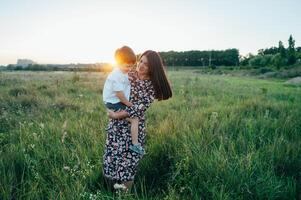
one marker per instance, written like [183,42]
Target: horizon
[113,62]
[65,32]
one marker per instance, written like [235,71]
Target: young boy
[116,91]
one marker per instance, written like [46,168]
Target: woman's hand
[111,114]
[129,119]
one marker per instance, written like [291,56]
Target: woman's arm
[117,115]
[138,110]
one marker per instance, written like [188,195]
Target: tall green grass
[219,137]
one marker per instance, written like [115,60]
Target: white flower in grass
[64,132]
[267,113]
[213,116]
[42,125]
[64,136]
[64,125]
[35,136]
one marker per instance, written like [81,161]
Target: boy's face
[126,67]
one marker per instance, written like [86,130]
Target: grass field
[219,137]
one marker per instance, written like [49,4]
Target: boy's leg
[134,130]
[136,147]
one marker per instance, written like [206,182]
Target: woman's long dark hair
[157,75]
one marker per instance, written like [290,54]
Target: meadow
[219,137]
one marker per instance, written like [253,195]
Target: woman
[148,82]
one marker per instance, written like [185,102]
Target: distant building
[25,62]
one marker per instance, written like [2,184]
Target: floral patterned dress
[119,162]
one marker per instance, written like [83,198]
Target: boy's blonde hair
[125,55]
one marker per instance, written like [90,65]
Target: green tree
[281,49]
[271,50]
[291,51]
[244,60]
[255,61]
[278,60]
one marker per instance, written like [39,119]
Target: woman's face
[142,68]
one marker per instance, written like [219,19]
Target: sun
[113,63]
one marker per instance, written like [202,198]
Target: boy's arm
[122,98]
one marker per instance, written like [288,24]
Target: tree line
[269,57]
[228,57]
[274,56]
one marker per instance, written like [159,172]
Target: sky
[89,31]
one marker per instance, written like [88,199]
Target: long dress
[119,162]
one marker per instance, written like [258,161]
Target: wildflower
[267,113]
[213,116]
[64,125]
[64,132]
[35,135]
[42,125]
[64,136]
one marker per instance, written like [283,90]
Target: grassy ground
[219,137]
[284,73]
